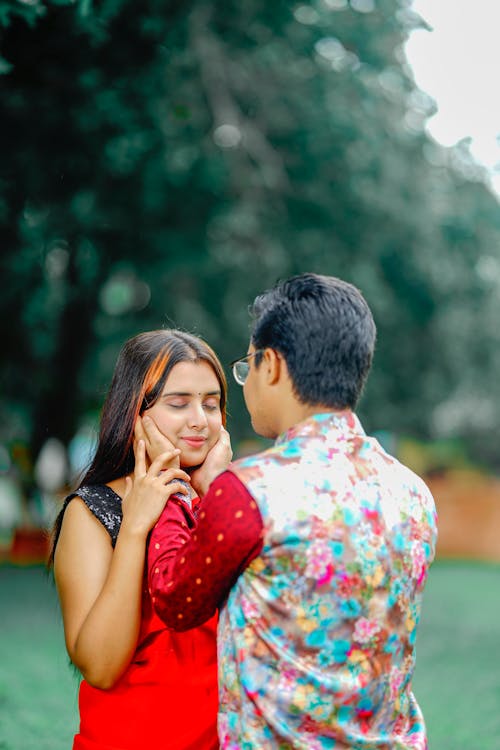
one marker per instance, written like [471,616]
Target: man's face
[257,394]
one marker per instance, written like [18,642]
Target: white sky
[458,65]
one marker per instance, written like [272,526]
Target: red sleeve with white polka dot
[194,562]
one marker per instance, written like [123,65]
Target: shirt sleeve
[194,561]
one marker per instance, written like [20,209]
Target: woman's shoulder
[103,503]
[99,494]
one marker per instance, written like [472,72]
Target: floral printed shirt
[317,635]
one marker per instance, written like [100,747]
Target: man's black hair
[324,329]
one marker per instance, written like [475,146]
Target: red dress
[167,698]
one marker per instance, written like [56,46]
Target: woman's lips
[195,442]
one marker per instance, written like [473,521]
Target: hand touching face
[188,411]
[217,461]
[148,489]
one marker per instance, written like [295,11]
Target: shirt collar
[344,422]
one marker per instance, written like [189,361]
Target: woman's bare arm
[100,588]
[100,593]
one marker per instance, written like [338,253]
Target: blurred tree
[164,163]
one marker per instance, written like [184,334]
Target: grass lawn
[38,689]
[457,681]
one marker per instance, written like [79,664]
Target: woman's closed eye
[178,404]
[212,405]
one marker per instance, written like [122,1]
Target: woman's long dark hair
[143,366]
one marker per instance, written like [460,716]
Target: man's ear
[273,363]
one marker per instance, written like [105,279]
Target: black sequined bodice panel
[104,504]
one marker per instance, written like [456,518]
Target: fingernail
[146,419]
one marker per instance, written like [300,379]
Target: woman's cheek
[171,435]
[214,436]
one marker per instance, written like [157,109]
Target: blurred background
[164,162]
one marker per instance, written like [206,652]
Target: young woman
[143,686]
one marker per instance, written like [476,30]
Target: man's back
[317,637]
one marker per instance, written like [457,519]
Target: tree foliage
[163,163]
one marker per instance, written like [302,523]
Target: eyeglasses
[241,368]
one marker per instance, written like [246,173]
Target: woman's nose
[197,416]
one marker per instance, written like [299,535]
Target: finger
[139,431]
[176,488]
[140,434]
[224,436]
[164,458]
[168,475]
[140,458]
[154,434]
[225,442]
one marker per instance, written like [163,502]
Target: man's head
[323,329]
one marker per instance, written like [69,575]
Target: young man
[316,551]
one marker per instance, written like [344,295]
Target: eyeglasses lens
[240,371]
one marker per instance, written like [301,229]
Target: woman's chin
[191,462]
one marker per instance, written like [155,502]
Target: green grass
[38,689]
[457,681]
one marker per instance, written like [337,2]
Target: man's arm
[193,563]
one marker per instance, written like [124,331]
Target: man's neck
[298,412]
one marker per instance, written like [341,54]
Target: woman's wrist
[204,478]
[133,531]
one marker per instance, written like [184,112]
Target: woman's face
[188,411]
